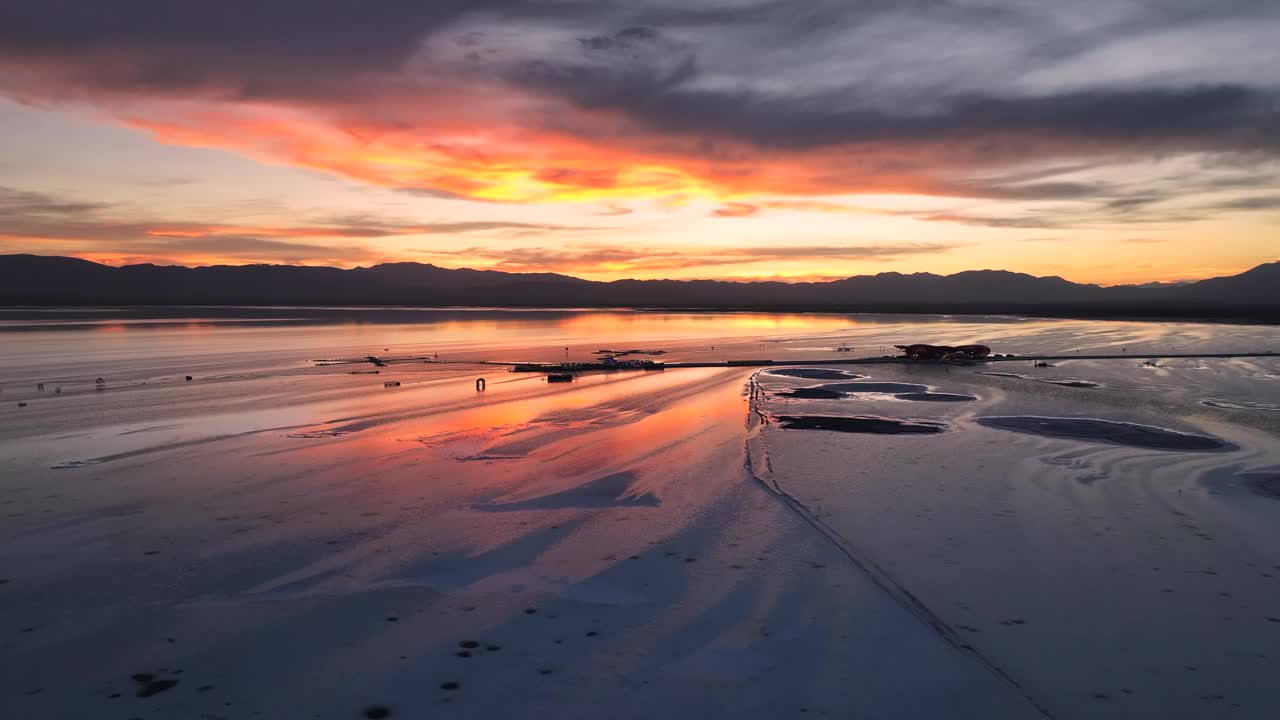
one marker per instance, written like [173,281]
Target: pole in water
[480,385]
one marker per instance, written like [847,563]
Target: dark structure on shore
[921,351]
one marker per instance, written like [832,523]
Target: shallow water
[654,541]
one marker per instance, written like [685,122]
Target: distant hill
[43,280]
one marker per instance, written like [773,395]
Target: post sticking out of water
[480,385]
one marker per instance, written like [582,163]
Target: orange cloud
[744,209]
[597,259]
[499,159]
[187,230]
[736,209]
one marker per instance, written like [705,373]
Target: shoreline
[1251,315]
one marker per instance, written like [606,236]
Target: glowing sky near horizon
[1111,142]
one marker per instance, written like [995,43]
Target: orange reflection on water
[692,324]
[624,414]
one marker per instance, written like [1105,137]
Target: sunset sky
[1107,141]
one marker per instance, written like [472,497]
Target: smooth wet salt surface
[301,542]
[935,397]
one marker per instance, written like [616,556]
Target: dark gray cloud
[248,47]
[682,78]
[1257,202]
[914,90]
[16,203]
[246,249]
[45,216]
[1216,116]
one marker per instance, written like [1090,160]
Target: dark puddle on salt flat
[813,393]
[935,397]
[1120,433]
[815,374]
[1266,486]
[901,391]
[859,424]
[887,388]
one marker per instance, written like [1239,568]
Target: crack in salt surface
[756,421]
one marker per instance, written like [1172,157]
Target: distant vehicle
[935,353]
[559,377]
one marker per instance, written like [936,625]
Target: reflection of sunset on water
[295,507]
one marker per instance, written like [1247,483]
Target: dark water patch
[886,388]
[867,424]
[813,393]
[1241,405]
[1120,433]
[1268,486]
[152,686]
[935,397]
[814,373]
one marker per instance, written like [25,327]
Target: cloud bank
[611,100]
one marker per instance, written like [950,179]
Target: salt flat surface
[290,541]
